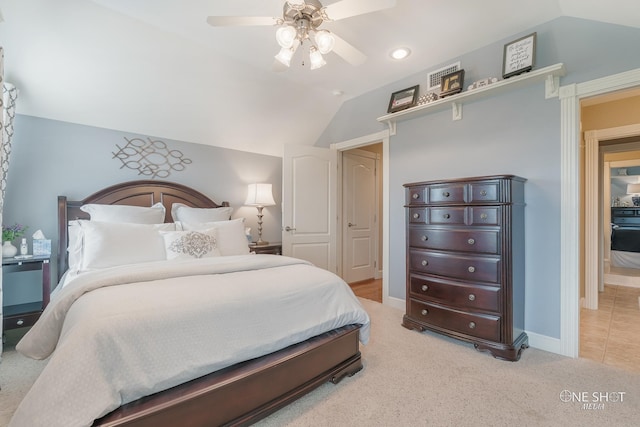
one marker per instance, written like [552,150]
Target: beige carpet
[424,379]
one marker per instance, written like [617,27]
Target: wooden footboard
[244,393]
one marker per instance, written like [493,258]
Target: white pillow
[74,244]
[190,244]
[107,244]
[230,237]
[124,213]
[182,212]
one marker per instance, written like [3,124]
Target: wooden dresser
[465,261]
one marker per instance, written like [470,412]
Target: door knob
[287,228]
[351,225]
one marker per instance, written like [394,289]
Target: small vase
[8,250]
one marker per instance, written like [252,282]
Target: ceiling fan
[300,23]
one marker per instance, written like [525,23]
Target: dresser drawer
[446,193]
[19,320]
[418,215]
[446,215]
[472,268]
[477,325]
[473,297]
[484,192]
[417,195]
[484,215]
[627,220]
[463,240]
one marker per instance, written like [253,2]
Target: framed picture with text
[519,56]
[403,99]
[451,83]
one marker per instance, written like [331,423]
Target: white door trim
[382,136]
[570,96]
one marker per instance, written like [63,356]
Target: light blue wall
[517,132]
[51,158]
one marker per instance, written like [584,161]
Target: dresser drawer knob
[424,238]
[425,288]
[471,241]
[445,194]
[424,312]
[484,216]
[446,216]
[20,322]
[416,215]
[415,196]
[483,192]
[425,263]
[471,269]
[472,325]
[472,297]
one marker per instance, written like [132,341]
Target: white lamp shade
[316,59]
[259,195]
[286,35]
[325,41]
[633,188]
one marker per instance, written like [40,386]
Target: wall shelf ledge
[549,75]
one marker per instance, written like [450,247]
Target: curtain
[8,110]
[2,159]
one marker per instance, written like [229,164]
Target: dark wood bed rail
[132,193]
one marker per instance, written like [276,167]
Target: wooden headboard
[132,193]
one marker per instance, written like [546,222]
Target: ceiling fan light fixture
[285,55]
[316,59]
[286,35]
[325,41]
[296,4]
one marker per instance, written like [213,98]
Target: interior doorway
[610,139]
[361,219]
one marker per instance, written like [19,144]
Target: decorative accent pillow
[123,213]
[108,244]
[182,212]
[190,244]
[230,238]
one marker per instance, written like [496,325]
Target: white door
[359,215]
[309,195]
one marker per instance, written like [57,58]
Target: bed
[625,247]
[312,343]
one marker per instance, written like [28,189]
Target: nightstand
[22,315]
[271,248]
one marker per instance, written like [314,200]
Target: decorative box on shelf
[41,247]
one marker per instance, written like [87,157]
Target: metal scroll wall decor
[151,158]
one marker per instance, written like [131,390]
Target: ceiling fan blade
[227,21]
[349,53]
[348,8]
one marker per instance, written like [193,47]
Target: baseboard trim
[544,342]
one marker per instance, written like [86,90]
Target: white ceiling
[155,67]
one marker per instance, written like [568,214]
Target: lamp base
[260,243]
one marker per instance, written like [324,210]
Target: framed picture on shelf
[403,99]
[451,83]
[519,56]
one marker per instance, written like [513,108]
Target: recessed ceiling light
[400,53]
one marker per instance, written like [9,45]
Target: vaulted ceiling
[156,68]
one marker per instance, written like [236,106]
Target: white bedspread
[118,334]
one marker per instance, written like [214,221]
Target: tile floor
[611,334]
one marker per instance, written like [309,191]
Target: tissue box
[41,247]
